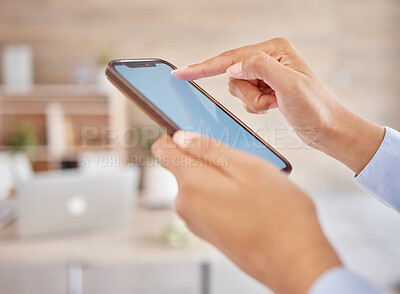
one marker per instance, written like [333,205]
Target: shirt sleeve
[381,176]
[340,280]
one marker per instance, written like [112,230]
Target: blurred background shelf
[57,116]
[54,91]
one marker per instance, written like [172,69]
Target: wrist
[304,255]
[350,139]
[315,259]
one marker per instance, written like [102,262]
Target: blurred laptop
[13,168]
[73,200]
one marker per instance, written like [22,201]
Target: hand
[262,222]
[272,74]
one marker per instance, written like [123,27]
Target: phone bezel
[157,115]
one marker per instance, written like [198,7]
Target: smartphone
[183,105]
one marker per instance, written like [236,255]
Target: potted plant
[23,140]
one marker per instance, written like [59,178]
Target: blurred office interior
[63,127]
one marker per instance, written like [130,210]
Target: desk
[134,242]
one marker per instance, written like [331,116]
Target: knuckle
[255,64]
[258,107]
[228,53]
[256,57]
[259,54]
[232,92]
[281,47]
[232,82]
[248,109]
[281,41]
[260,104]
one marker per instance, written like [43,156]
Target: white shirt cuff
[340,280]
[381,176]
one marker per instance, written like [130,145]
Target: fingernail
[183,138]
[235,70]
[179,69]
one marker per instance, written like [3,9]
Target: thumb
[209,150]
[199,146]
[261,66]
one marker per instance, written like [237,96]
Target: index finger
[214,66]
